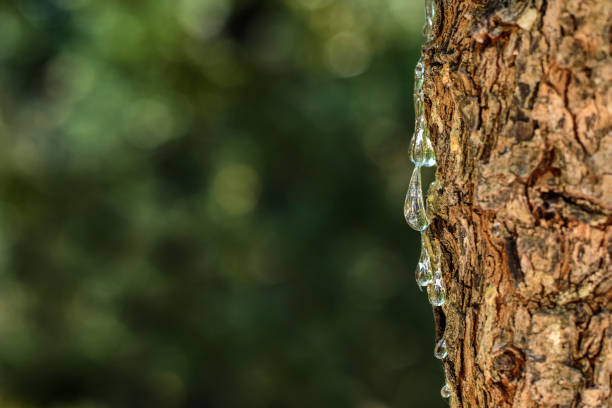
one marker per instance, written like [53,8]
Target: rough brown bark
[519,104]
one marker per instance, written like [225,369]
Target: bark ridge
[519,101]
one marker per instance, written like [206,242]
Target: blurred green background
[201,205]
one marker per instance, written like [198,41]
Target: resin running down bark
[414,207]
[519,109]
[422,154]
[423,274]
[421,149]
[440,352]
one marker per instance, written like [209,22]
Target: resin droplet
[440,352]
[419,103]
[445,391]
[419,72]
[419,79]
[421,150]
[430,14]
[436,293]
[423,274]
[437,274]
[414,209]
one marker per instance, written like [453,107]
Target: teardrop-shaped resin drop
[423,274]
[421,149]
[445,392]
[440,351]
[414,209]
[436,293]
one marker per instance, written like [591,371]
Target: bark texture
[519,104]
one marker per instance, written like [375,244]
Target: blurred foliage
[201,205]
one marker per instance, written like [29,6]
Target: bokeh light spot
[314,4]
[409,14]
[348,54]
[149,123]
[69,77]
[236,188]
[202,19]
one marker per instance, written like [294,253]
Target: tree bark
[519,105]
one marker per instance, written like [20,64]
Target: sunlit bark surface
[519,102]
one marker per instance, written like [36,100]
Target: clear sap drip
[414,209]
[419,104]
[436,292]
[423,274]
[419,78]
[440,351]
[438,273]
[445,392]
[421,149]
[430,15]
[419,72]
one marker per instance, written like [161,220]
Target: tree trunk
[519,105]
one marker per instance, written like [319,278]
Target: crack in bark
[514,265]
[536,287]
